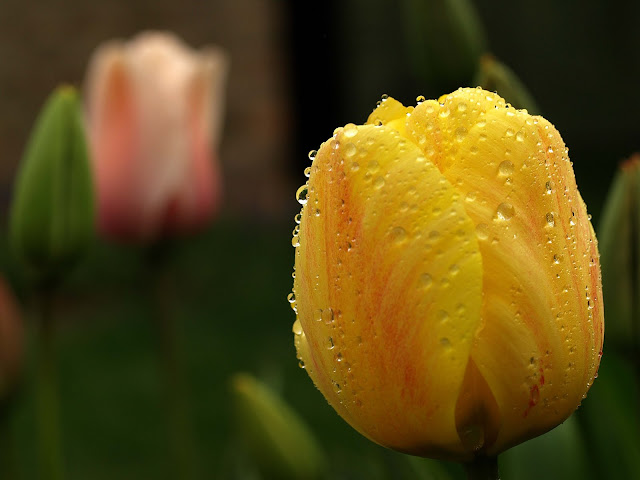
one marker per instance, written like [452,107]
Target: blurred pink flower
[153,113]
[11,340]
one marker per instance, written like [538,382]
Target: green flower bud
[619,236]
[281,444]
[495,76]
[445,40]
[52,214]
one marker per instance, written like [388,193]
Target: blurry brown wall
[44,43]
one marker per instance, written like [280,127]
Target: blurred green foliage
[230,301]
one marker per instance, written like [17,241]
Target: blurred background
[297,71]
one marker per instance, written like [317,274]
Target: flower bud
[445,39]
[496,76]
[447,287]
[281,443]
[52,214]
[619,234]
[153,113]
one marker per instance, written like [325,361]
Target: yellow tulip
[447,281]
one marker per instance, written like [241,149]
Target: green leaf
[280,442]
[611,418]
[557,455]
[619,245]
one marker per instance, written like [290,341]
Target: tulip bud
[619,234]
[11,341]
[52,213]
[153,113]
[496,76]
[281,443]
[447,287]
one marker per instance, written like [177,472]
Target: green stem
[48,421]
[178,412]
[482,468]
[7,452]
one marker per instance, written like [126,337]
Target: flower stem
[7,452]
[48,421]
[482,468]
[182,443]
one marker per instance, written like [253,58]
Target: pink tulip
[153,112]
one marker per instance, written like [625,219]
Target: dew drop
[328,316]
[301,194]
[312,154]
[461,134]
[350,130]
[550,219]
[291,298]
[426,280]
[505,211]
[378,182]
[520,136]
[398,234]
[297,327]
[548,187]
[350,150]
[505,168]
[445,342]
[297,218]
[420,99]
[443,316]
[482,231]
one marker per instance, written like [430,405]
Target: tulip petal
[388,284]
[542,318]
[112,131]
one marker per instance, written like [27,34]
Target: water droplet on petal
[327,316]
[350,130]
[297,327]
[505,211]
[505,168]
[461,133]
[350,150]
[550,219]
[425,280]
[312,154]
[482,231]
[378,182]
[398,234]
[302,193]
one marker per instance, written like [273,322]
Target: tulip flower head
[153,113]
[447,282]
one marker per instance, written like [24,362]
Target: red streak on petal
[534,396]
